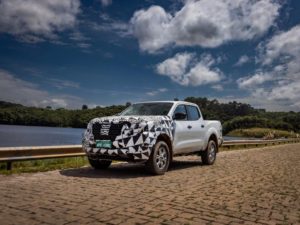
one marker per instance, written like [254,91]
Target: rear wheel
[100,164]
[209,155]
[159,159]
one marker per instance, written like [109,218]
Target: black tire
[159,160]
[100,164]
[210,154]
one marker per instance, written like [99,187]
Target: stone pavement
[257,186]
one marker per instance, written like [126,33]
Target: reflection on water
[11,135]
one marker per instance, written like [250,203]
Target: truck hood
[130,119]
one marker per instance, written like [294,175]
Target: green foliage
[22,115]
[84,107]
[255,121]
[262,133]
[212,109]
[44,165]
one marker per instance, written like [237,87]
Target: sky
[66,53]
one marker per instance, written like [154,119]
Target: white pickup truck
[152,132]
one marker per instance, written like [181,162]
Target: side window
[179,109]
[193,112]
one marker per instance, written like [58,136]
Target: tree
[84,107]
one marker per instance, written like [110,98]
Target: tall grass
[44,165]
[262,133]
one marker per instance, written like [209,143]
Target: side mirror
[180,116]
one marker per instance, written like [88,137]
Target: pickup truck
[153,133]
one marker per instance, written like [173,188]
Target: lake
[12,135]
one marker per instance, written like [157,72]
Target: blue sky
[68,53]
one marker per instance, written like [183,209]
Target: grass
[44,165]
[239,147]
[262,133]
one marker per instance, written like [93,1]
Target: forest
[233,115]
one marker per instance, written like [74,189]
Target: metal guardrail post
[9,165]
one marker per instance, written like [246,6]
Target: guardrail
[245,143]
[12,154]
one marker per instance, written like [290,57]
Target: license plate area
[103,144]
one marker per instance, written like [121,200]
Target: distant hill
[233,115]
[4,104]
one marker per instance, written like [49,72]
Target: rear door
[196,127]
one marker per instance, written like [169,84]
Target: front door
[184,137]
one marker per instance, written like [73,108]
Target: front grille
[114,130]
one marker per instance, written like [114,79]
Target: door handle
[202,126]
[189,126]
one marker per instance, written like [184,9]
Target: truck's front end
[129,136]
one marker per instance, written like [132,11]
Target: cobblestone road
[257,186]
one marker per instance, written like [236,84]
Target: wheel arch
[164,137]
[213,137]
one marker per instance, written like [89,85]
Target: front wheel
[159,159]
[100,164]
[209,155]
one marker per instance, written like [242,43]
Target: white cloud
[106,2]
[34,20]
[284,44]
[15,90]
[217,87]
[280,57]
[157,92]
[242,60]
[176,66]
[283,50]
[203,23]
[61,84]
[253,81]
[284,96]
[288,91]
[84,45]
[187,70]
[78,36]
[200,74]
[108,24]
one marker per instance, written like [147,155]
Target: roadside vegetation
[264,133]
[44,165]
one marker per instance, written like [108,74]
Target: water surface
[13,135]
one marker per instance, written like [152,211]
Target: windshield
[147,109]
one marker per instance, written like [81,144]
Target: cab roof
[177,102]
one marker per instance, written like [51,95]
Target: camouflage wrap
[137,137]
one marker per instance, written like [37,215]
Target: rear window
[193,112]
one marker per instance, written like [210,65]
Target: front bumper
[134,153]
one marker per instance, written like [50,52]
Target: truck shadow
[125,170]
